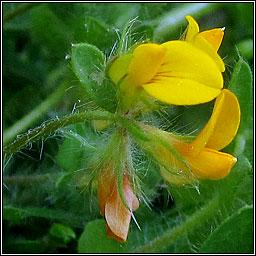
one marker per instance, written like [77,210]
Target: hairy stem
[19,10]
[172,235]
[29,119]
[51,126]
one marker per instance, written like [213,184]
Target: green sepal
[135,130]
[126,38]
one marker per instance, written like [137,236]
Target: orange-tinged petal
[118,218]
[222,126]
[146,60]
[112,235]
[208,164]
[117,215]
[192,29]
[214,37]
[211,164]
[208,41]
[201,43]
[106,183]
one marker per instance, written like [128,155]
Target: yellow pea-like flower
[203,157]
[177,72]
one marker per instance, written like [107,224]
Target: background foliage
[45,206]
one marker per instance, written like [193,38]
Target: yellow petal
[192,29]
[180,91]
[208,41]
[227,121]
[184,60]
[187,77]
[211,164]
[214,37]
[119,68]
[208,164]
[201,43]
[117,215]
[146,61]
[222,126]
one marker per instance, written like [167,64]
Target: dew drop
[67,57]
[74,45]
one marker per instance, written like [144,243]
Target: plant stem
[176,17]
[170,236]
[30,179]
[51,126]
[26,121]
[19,10]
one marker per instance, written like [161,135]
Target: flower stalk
[51,126]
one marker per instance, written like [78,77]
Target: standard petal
[211,164]
[146,61]
[180,91]
[201,43]
[184,60]
[222,126]
[214,37]
[192,29]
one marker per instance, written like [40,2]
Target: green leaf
[88,63]
[94,239]
[62,232]
[241,86]
[95,32]
[77,148]
[234,235]
[80,146]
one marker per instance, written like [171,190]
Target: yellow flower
[202,155]
[111,206]
[176,72]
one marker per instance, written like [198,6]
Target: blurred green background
[44,208]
